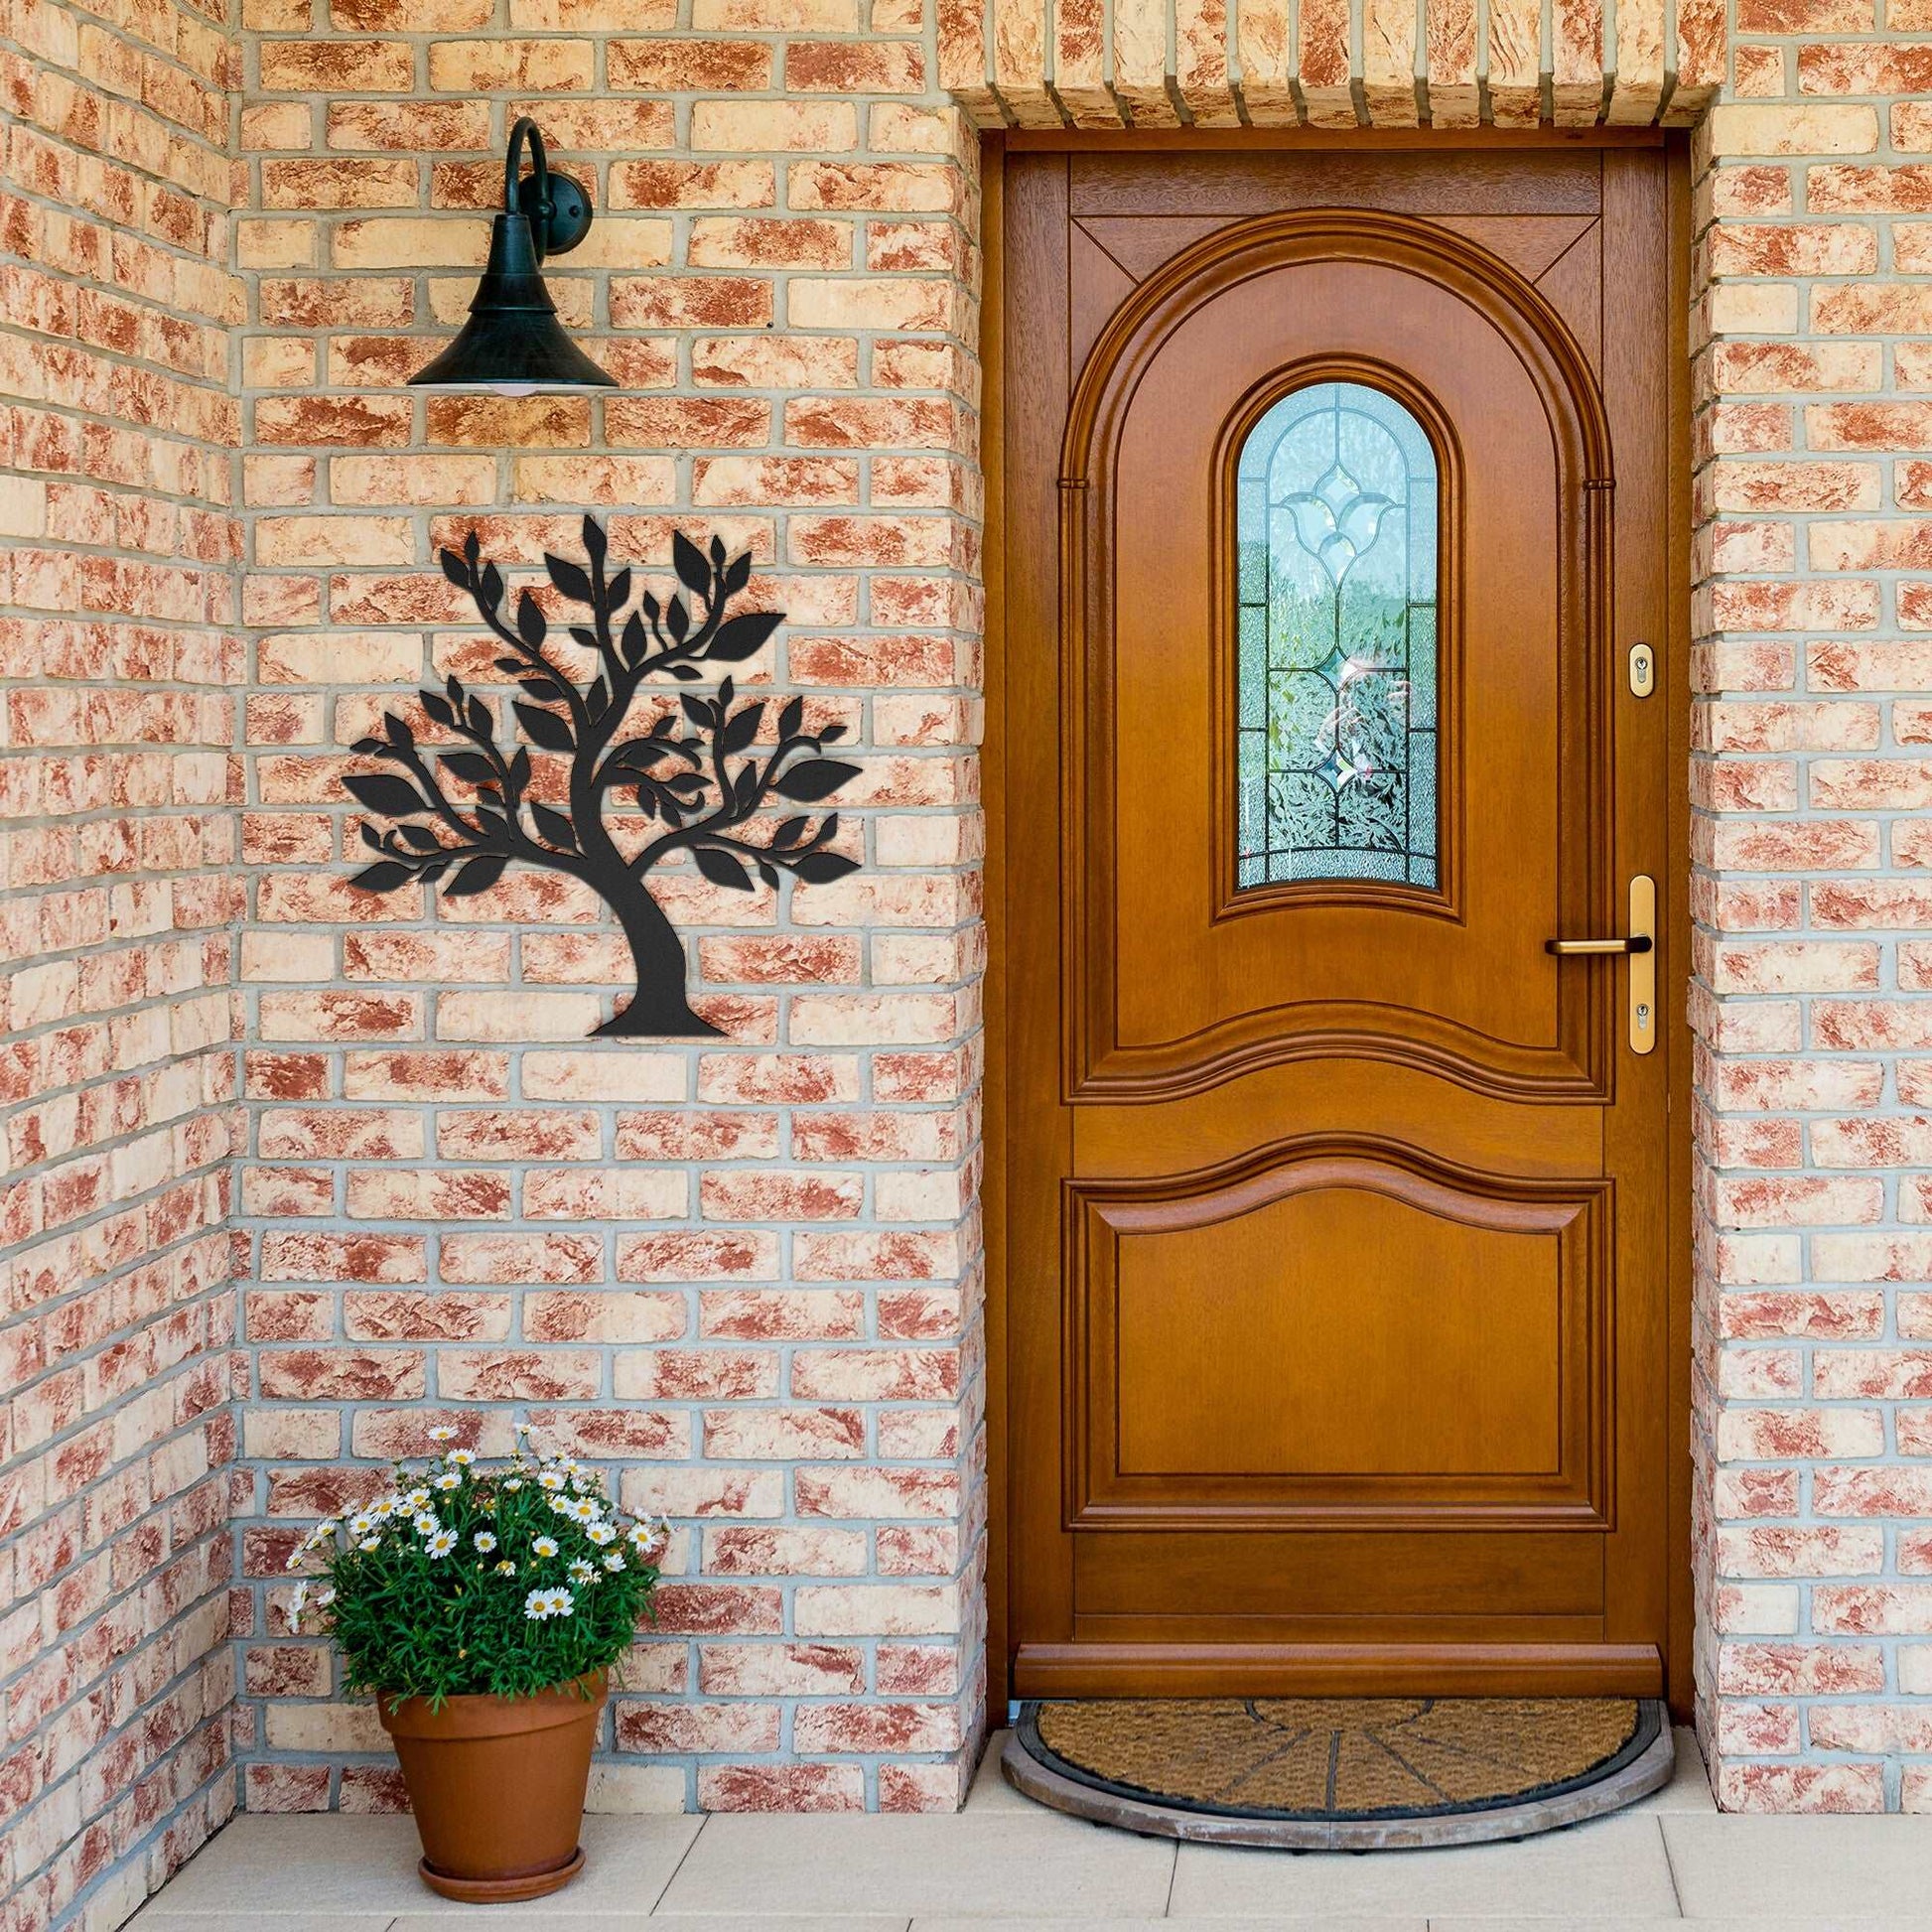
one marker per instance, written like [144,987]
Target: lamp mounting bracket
[556,206]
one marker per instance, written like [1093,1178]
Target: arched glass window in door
[1337,665]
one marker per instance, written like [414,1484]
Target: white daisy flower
[541,1604]
[461,1458]
[551,1479]
[426,1523]
[581,1572]
[442,1543]
[602,1533]
[562,1602]
[361,1523]
[449,1479]
[613,1561]
[416,1498]
[513,1482]
[506,1567]
[584,1510]
[524,1428]
[324,1597]
[544,1545]
[442,1433]
[485,1541]
[370,1543]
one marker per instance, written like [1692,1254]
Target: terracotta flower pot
[498,1787]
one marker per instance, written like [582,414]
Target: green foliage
[463,1579]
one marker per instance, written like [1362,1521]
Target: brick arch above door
[1153,63]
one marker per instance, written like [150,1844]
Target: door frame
[995,148]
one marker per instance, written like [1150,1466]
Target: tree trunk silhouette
[658,1009]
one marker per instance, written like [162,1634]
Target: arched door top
[1542,340]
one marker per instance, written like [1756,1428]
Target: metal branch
[531,655]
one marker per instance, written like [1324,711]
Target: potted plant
[483,1607]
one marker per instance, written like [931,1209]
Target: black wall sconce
[513,342]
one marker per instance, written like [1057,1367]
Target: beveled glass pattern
[1336,664]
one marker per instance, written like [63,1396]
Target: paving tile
[705,1922]
[991,1791]
[1143,1925]
[275,1869]
[1689,1788]
[158,1917]
[261,1867]
[1010,1864]
[1615,1867]
[1836,1869]
[560,1916]
[1560,1925]
[1734,1924]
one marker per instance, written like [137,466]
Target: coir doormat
[1353,1773]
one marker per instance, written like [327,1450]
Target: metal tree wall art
[696,773]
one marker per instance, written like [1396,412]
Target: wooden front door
[1337,1244]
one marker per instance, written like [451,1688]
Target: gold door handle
[1588,948]
[1641,946]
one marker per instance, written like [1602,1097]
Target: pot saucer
[501,1892]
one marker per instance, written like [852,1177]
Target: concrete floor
[1668,1859]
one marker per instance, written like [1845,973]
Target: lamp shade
[513,342]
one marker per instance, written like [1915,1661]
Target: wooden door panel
[1470,183]
[1403,1100]
[1328,1336]
[1332,1335]
[1330,1574]
[1179,981]
[1334,1235]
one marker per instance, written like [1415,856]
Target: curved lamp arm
[525,130]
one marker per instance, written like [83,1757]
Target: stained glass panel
[1335,671]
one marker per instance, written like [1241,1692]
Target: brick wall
[119,659]
[744,1276]
[1814,1438]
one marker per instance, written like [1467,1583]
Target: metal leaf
[722,868]
[384,878]
[381,793]
[813,778]
[545,728]
[740,637]
[531,625]
[554,825]
[688,561]
[821,868]
[571,579]
[477,876]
